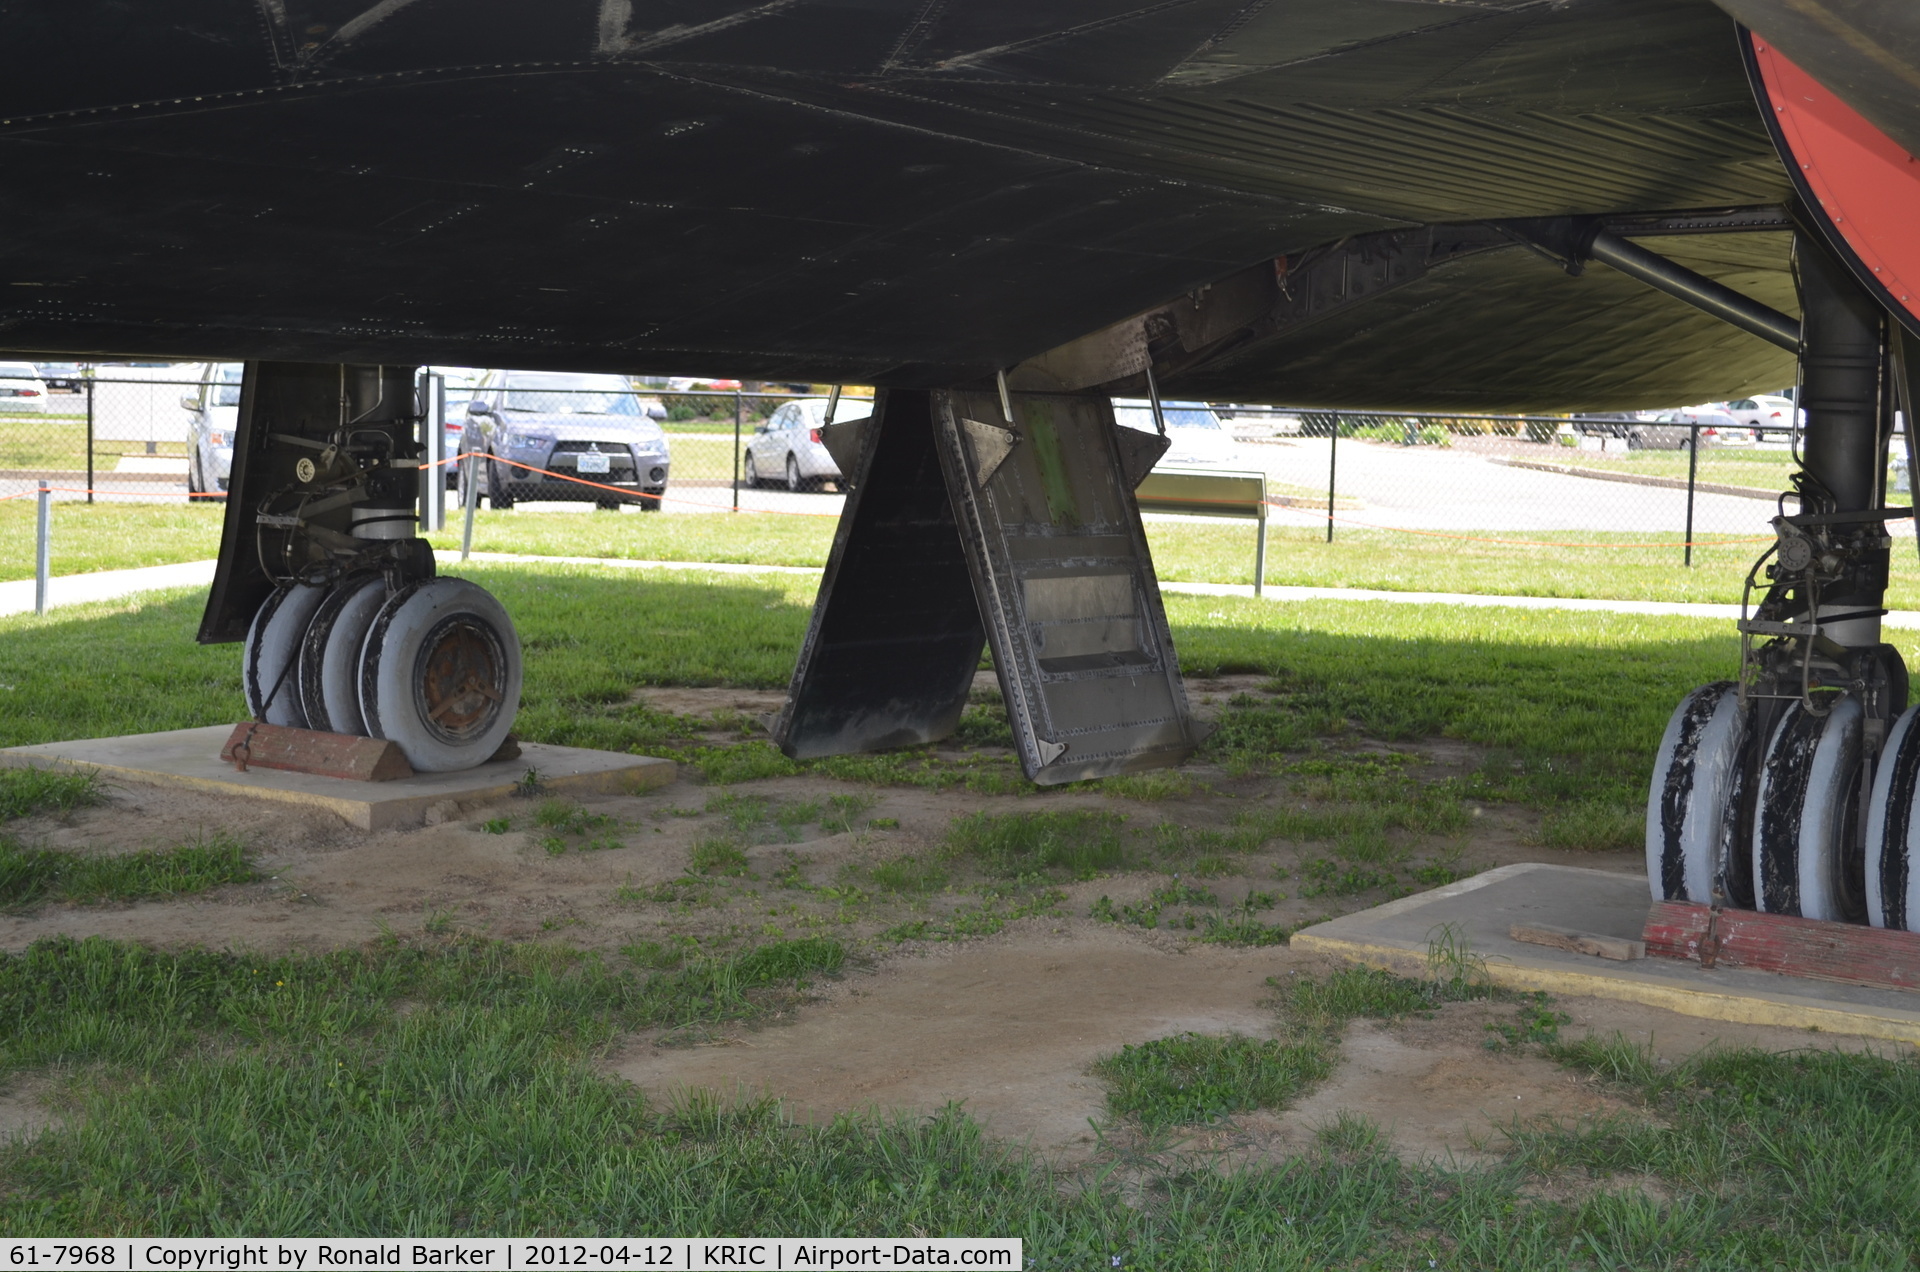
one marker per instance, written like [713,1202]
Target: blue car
[539,429]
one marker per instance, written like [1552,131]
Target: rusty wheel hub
[459,682]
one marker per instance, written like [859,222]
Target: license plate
[593,462]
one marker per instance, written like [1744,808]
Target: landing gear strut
[1791,790]
[346,626]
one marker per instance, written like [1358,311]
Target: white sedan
[1763,411]
[787,450]
[1197,437]
[21,388]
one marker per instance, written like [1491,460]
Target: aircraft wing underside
[908,192]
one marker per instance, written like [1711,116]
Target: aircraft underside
[1003,215]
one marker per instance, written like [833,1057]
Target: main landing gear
[1792,789]
[347,627]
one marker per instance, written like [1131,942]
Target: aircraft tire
[1893,830]
[271,654]
[440,674]
[1803,819]
[330,654]
[1692,804]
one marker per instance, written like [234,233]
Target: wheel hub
[458,683]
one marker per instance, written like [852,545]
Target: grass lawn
[448,1087]
[1578,700]
[1573,564]
[448,1084]
[1760,469]
[59,441]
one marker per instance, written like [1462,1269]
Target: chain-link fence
[1679,480]
[166,433]
[1426,488]
[146,433]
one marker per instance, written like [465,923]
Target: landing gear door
[1064,582]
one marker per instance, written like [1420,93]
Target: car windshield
[1136,414]
[847,408]
[226,387]
[18,371]
[573,395]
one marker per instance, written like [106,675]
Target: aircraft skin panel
[897,192]
[1866,52]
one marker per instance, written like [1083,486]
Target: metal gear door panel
[1065,584]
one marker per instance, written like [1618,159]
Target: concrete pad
[1397,936]
[189,759]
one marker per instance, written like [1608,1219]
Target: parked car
[787,448]
[1765,412]
[1718,424]
[62,377]
[593,427]
[1672,430]
[21,388]
[683,384]
[1198,440]
[213,410]
[1605,423]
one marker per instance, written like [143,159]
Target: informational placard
[504,1254]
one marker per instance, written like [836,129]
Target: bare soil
[1006,1023]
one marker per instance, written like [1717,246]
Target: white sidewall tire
[330,654]
[1893,830]
[273,641]
[392,658]
[1801,810]
[1689,808]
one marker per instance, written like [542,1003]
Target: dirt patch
[1007,1029]
[708,703]
[24,1110]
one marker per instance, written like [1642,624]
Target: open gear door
[1064,582]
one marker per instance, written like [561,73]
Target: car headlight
[219,439]
[528,441]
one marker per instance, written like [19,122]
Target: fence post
[473,497]
[736,450]
[89,382]
[42,550]
[1693,471]
[1333,448]
[1260,548]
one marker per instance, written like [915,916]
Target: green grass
[450,1087]
[25,792]
[743,539]
[109,536]
[57,440]
[908,875]
[1192,1078]
[29,876]
[1570,705]
[1563,563]
[1076,843]
[1750,467]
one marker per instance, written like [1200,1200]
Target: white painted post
[43,550]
